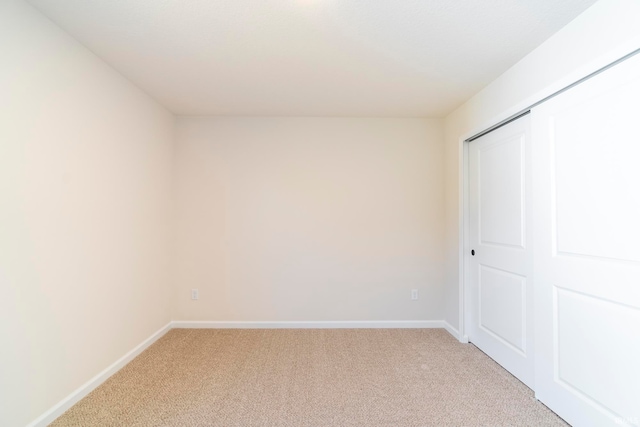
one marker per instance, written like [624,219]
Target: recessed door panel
[501,188]
[502,306]
[597,176]
[595,359]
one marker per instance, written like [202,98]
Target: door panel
[500,296]
[596,175]
[582,360]
[500,187]
[502,306]
[587,249]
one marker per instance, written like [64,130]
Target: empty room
[319,213]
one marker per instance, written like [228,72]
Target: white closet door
[500,304]
[586,154]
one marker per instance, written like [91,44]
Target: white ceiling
[312,57]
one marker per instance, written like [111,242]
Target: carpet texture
[304,378]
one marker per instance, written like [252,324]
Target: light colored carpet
[320,378]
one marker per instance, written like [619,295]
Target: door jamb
[463,234]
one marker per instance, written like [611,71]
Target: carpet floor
[312,377]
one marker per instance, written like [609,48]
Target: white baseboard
[453,331]
[348,324]
[66,403]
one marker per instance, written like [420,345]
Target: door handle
[473,252]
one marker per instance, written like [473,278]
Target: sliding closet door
[586,152]
[500,292]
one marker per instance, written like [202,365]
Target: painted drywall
[309,219]
[601,29]
[85,169]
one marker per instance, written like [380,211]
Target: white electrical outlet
[194,294]
[414,294]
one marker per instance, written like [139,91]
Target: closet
[552,284]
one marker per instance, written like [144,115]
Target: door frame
[591,68]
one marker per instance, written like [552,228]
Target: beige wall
[296,219]
[605,27]
[85,169]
